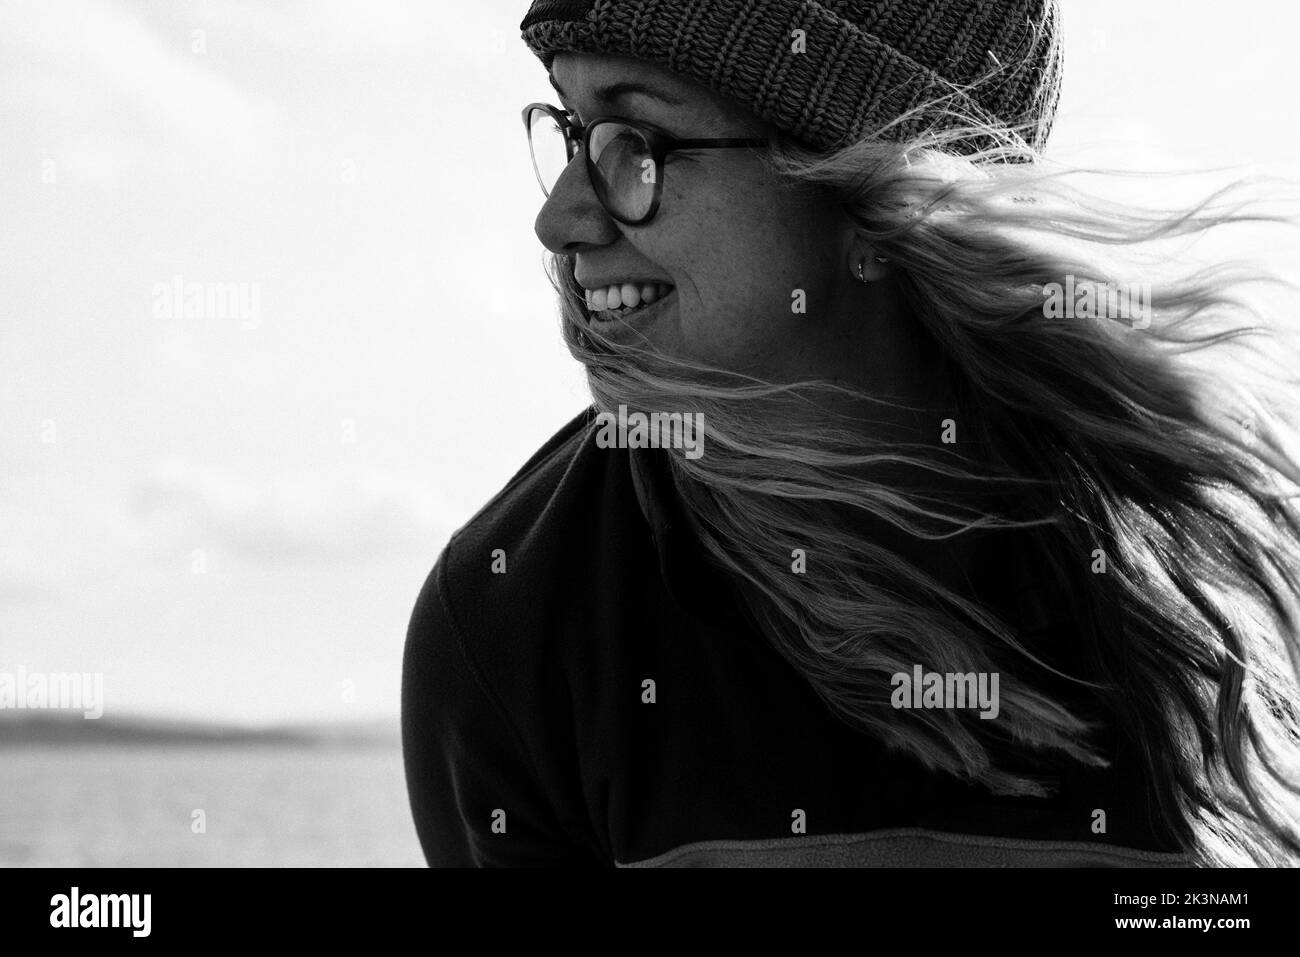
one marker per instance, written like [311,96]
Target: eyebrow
[612,91]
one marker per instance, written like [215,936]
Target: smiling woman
[828,235]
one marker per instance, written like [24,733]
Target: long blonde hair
[1167,452]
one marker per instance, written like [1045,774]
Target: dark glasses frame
[660,143]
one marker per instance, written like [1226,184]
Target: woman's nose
[572,216]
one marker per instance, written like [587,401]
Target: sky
[229,513]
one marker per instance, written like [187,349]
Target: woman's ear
[865,263]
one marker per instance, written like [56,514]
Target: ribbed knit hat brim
[858,66]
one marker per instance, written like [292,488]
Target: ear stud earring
[862,264]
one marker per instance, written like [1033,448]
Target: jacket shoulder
[516,579]
[543,470]
[500,630]
[539,523]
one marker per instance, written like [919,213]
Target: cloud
[81,67]
[353,515]
[24,578]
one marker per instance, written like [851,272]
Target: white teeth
[628,295]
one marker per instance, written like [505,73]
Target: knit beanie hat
[834,71]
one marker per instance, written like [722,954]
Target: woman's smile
[631,315]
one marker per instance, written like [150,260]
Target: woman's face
[740,249]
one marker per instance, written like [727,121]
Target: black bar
[434,908]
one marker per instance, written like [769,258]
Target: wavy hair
[1164,454]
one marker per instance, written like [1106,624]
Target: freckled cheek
[735,255]
[737,276]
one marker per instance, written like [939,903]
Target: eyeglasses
[625,160]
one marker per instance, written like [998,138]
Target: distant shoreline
[33,729]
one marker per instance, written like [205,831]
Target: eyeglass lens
[620,159]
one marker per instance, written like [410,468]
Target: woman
[961,536]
